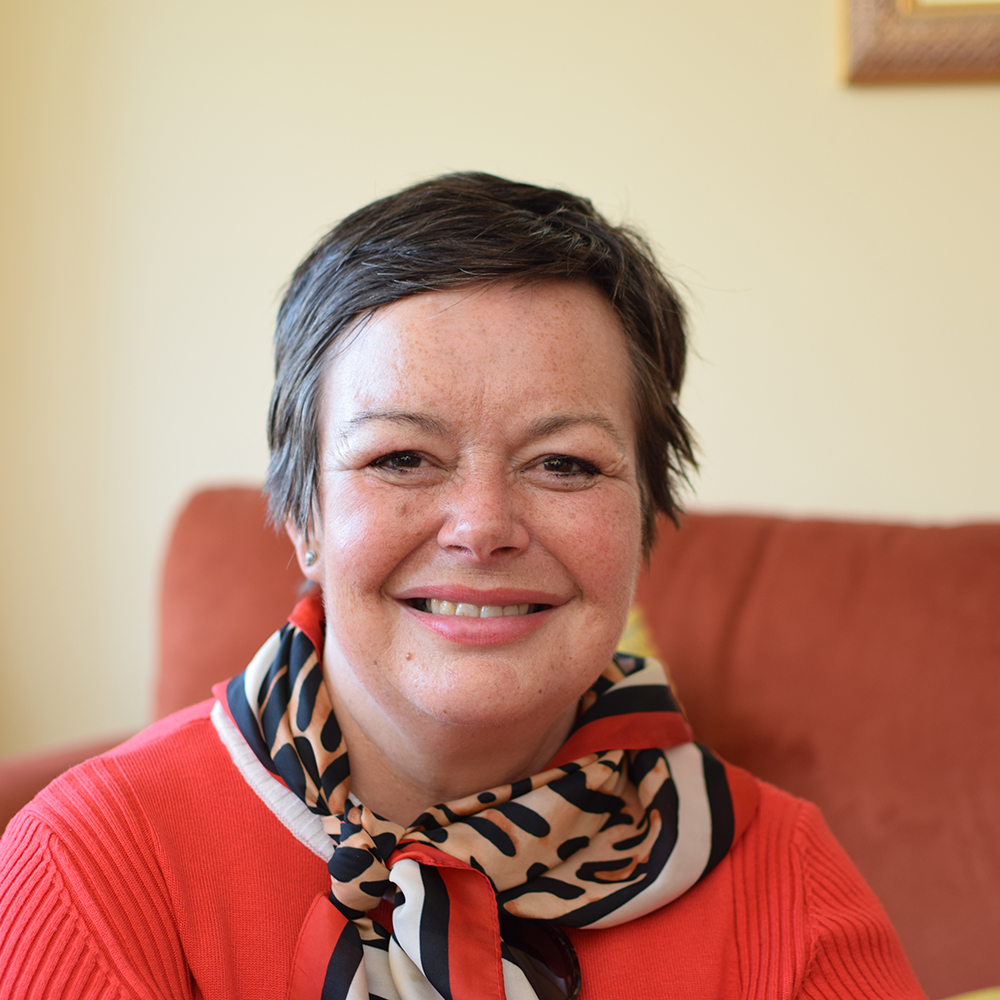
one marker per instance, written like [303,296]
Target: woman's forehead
[556,346]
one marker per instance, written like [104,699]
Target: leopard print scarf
[600,837]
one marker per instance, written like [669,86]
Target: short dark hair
[462,229]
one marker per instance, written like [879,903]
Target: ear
[307,551]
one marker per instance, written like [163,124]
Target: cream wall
[165,166]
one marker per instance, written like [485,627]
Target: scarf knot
[359,865]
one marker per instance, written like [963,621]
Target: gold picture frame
[923,41]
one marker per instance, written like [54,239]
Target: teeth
[475,611]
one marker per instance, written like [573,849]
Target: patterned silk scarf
[628,816]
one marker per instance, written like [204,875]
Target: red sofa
[857,665]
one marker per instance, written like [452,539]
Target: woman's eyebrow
[556,422]
[539,428]
[424,421]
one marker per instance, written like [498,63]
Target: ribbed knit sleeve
[808,924]
[83,917]
[854,949]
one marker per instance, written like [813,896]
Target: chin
[482,715]
[491,693]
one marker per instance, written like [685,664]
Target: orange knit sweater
[156,872]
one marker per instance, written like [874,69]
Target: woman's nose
[482,516]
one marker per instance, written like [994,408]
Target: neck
[402,765]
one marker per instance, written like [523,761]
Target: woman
[473,429]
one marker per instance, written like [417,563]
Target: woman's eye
[566,465]
[398,461]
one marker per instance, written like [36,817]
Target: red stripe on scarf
[474,963]
[745,794]
[636,731]
[317,939]
[308,616]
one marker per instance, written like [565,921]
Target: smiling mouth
[431,605]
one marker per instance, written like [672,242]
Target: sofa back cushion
[857,665]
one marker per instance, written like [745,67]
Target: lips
[479,617]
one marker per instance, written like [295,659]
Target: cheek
[367,534]
[601,543]
[360,538]
[365,538]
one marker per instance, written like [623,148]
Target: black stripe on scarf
[721,802]
[348,954]
[435,915]
[638,698]
[272,698]
[247,722]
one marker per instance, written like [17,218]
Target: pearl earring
[310,557]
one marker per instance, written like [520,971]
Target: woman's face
[479,530]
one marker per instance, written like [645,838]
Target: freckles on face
[478,454]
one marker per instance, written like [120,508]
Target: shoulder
[172,791]
[112,814]
[152,855]
[785,913]
[85,897]
[145,776]
[187,734]
[789,854]
[791,876]
[784,831]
